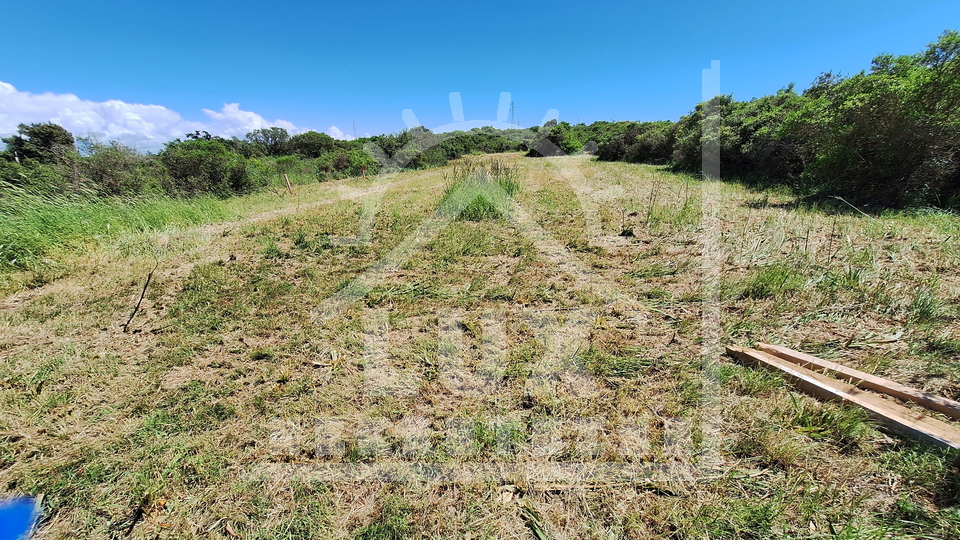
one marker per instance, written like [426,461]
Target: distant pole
[363,171]
[289,186]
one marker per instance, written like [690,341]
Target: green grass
[844,426]
[624,364]
[746,381]
[659,269]
[33,227]
[926,306]
[480,189]
[772,281]
[392,523]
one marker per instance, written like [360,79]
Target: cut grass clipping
[480,189]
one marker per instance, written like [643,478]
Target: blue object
[17,518]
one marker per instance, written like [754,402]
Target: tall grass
[480,189]
[33,226]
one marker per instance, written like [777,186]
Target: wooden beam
[895,417]
[934,402]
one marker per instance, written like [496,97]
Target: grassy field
[40,233]
[355,361]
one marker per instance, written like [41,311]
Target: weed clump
[480,189]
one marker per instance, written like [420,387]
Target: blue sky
[318,65]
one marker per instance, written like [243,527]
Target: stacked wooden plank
[810,374]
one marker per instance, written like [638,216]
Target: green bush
[287,165]
[260,171]
[890,136]
[644,142]
[206,166]
[345,163]
[12,173]
[39,177]
[116,169]
[559,139]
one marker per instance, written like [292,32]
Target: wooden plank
[934,402]
[895,417]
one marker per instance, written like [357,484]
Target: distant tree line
[889,136]
[46,158]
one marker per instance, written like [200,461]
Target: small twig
[839,198]
[653,197]
[835,253]
[829,309]
[142,294]
[833,227]
[138,514]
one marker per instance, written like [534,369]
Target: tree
[200,135]
[272,141]
[41,142]
[310,144]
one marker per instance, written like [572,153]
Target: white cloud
[146,127]
[336,133]
[230,121]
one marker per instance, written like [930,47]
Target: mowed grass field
[350,362]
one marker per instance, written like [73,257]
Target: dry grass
[534,375]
